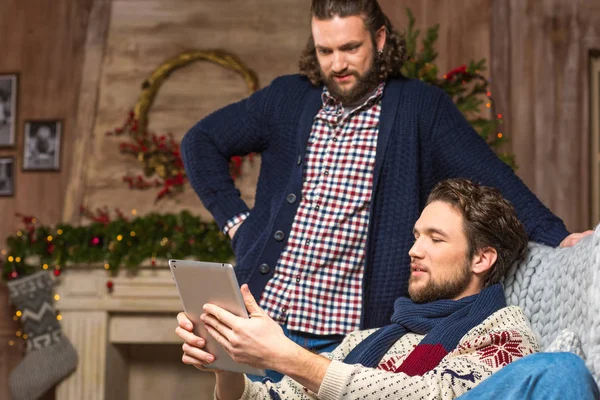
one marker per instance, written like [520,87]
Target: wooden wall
[540,61]
[42,40]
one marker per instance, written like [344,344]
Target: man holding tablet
[349,151]
[453,332]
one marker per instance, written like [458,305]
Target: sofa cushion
[559,289]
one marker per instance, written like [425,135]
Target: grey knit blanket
[559,289]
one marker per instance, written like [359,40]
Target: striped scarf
[443,322]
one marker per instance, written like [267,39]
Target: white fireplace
[125,337]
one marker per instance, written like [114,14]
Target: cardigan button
[264,269]
[279,236]
[291,198]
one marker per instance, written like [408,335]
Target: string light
[18,333]
[134,212]
[11,342]
[132,233]
[59,317]
[25,336]
[3,252]
[49,238]
[488,105]
[59,232]
[120,237]
[45,266]
[56,297]
[18,313]
[11,259]
[499,116]
[107,266]
[18,259]
[19,233]
[499,136]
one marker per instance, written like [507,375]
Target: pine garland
[113,243]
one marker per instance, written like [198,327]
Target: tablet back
[201,282]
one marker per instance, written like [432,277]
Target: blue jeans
[540,376]
[316,343]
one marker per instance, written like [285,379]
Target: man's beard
[364,84]
[441,290]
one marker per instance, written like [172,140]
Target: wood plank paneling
[543,92]
[43,41]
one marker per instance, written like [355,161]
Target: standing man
[350,150]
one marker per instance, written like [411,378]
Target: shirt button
[291,198]
[317,207]
[335,139]
[279,236]
[326,172]
[298,278]
[307,242]
[299,160]
[264,269]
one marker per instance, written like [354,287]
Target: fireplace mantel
[139,309]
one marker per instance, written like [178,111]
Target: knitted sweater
[502,338]
[422,139]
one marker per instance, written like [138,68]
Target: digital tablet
[199,283]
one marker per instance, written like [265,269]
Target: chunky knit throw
[443,322]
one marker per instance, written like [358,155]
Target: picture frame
[42,144]
[7,176]
[8,108]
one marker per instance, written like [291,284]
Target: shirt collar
[329,101]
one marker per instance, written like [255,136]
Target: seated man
[453,332]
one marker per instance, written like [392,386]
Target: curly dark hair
[394,51]
[489,221]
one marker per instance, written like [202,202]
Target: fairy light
[45,266]
[3,252]
[120,237]
[488,105]
[499,116]
[499,136]
[11,259]
[56,297]
[25,336]
[11,342]
[134,212]
[19,233]
[18,333]
[59,232]
[18,259]
[49,238]
[132,233]
[59,317]
[107,266]
[18,313]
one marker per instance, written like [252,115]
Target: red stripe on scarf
[422,359]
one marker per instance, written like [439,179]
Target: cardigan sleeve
[235,130]
[460,152]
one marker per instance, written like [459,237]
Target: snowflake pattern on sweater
[502,338]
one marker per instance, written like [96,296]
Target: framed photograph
[42,146]
[8,109]
[7,175]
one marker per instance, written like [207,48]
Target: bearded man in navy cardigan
[350,150]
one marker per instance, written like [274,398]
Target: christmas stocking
[50,356]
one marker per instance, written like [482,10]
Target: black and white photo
[7,173]
[42,145]
[8,109]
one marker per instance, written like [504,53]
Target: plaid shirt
[317,285]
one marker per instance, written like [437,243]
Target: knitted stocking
[50,356]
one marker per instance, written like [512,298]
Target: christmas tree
[469,89]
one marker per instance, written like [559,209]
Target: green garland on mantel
[112,243]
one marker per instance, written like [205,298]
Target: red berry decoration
[109,284]
[56,272]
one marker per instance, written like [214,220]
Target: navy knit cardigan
[423,139]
